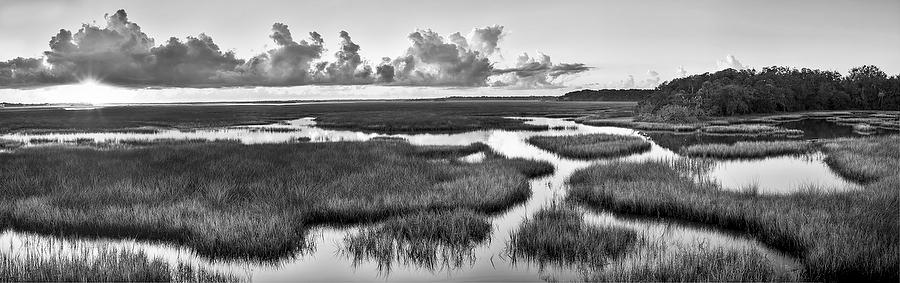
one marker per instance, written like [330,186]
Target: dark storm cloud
[120,52]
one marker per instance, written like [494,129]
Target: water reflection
[483,261]
[386,252]
[779,175]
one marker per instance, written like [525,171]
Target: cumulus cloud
[651,81]
[384,72]
[485,40]
[537,71]
[287,64]
[432,60]
[23,69]
[459,40]
[730,62]
[348,66]
[680,72]
[197,60]
[630,82]
[120,52]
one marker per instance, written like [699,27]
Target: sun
[90,90]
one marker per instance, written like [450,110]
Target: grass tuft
[702,264]
[425,239]
[104,266]
[864,159]
[749,149]
[751,130]
[588,146]
[559,235]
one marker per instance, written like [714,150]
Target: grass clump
[449,151]
[864,129]
[424,239]
[234,200]
[559,235]
[531,168]
[750,129]
[104,266]
[588,146]
[756,149]
[644,126]
[864,159]
[699,264]
[10,144]
[840,236]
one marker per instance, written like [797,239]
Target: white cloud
[730,62]
[680,72]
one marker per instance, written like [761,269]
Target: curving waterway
[326,259]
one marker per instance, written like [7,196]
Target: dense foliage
[608,95]
[773,89]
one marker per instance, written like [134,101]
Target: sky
[616,39]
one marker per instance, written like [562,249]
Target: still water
[326,259]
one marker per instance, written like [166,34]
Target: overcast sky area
[616,39]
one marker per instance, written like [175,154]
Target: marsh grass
[104,266]
[449,151]
[876,120]
[758,149]
[864,159]
[750,129]
[559,235]
[430,240]
[700,264]
[589,146]
[645,126]
[240,201]
[376,116]
[10,144]
[864,129]
[529,167]
[839,236]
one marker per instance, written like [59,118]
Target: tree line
[772,89]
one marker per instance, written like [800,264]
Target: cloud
[197,60]
[348,66]
[730,62]
[120,52]
[432,61]
[289,63]
[680,72]
[384,72]
[459,40]
[485,40]
[538,71]
[630,82]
